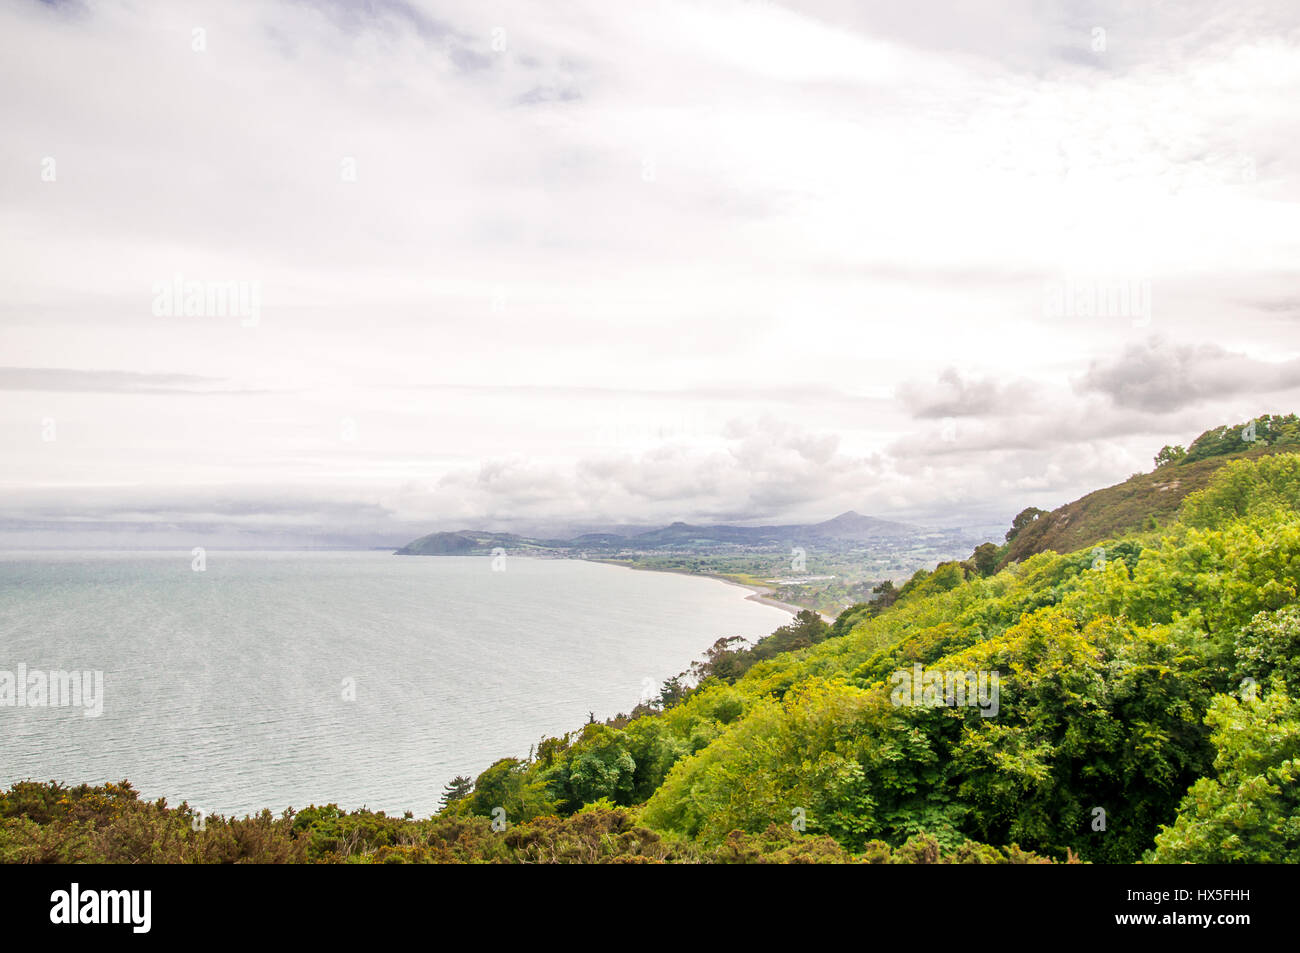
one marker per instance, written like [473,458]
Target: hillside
[467,542]
[1147,501]
[1128,507]
[439,544]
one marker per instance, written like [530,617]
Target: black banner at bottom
[147,904]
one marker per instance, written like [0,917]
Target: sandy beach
[758,593]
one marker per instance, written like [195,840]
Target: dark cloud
[549,94]
[1276,305]
[392,15]
[1158,376]
[132,518]
[253,504]
[469,60]
[951,395]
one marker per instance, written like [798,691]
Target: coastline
[758,594]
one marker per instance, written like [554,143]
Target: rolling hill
[1147,501]
[849,527]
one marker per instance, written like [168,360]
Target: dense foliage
[1270,430]
[50,823]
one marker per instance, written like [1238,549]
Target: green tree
[721,660]
[601,767]
[985,559]
[1270,645]
[886,594]
[457,789]
[1026,516]
[509,785]
[1250,811]
[1267,430]
[1267,486]
[1168,455]
[672,692]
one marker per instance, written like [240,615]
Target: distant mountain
[598,539]
[472,541]
[853,525]
[848,527]
[439,544]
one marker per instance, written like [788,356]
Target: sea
[238,681]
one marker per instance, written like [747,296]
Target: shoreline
[760,595]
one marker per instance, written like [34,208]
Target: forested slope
[1130,672]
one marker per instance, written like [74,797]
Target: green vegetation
[1250,810]
[110,824]
[1269,430]
[1145,711]
[728,659]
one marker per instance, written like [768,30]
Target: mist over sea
[229,687]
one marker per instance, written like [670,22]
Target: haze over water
[225,687]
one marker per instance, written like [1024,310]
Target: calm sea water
[226,687]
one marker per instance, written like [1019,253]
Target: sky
[287,273]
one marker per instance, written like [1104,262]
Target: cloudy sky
[513,264]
